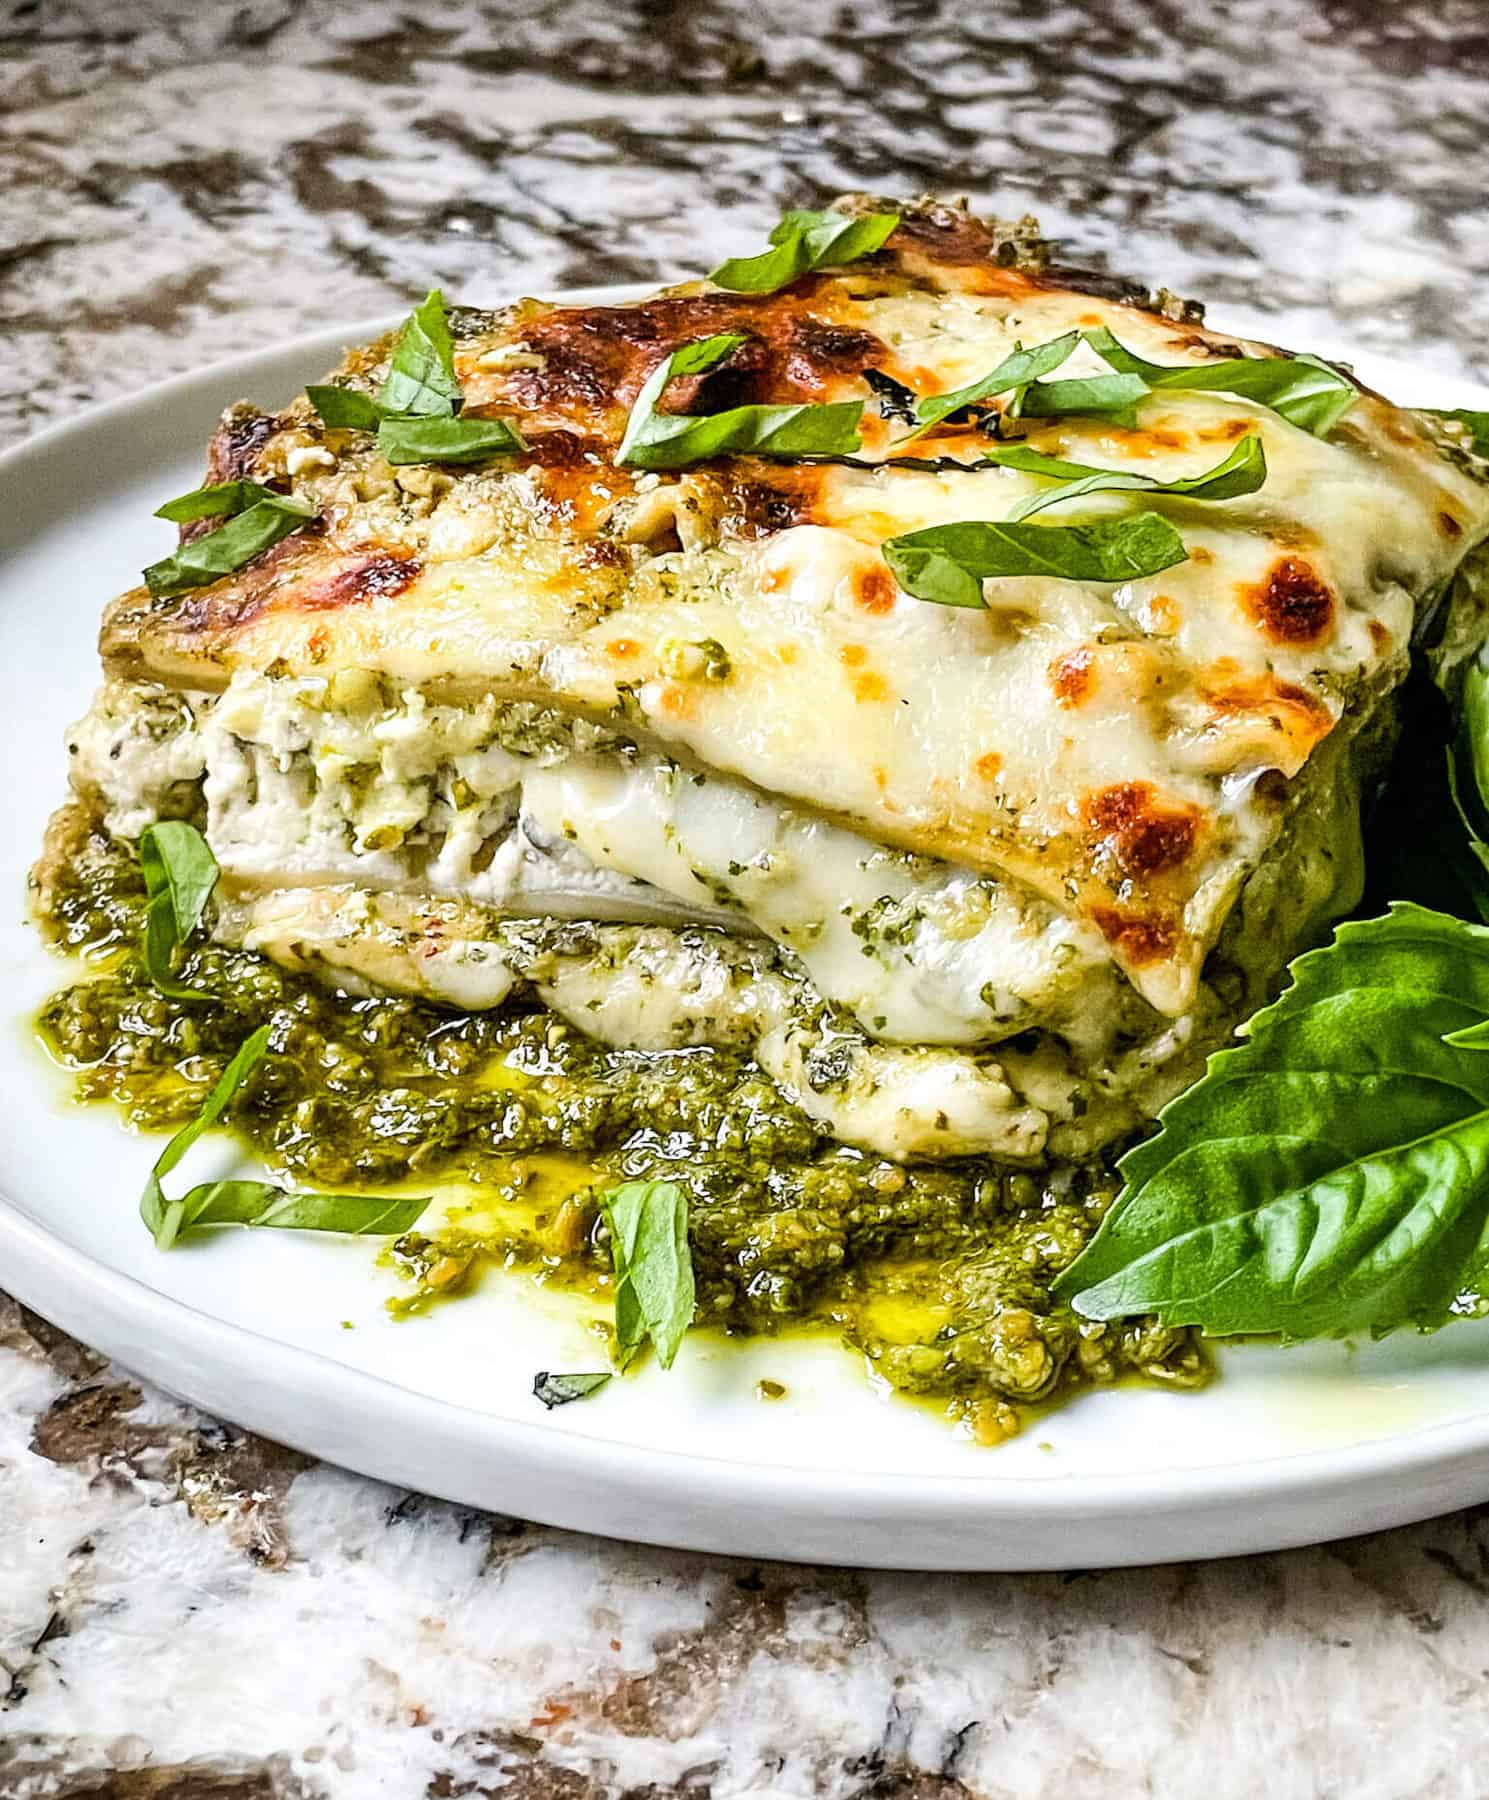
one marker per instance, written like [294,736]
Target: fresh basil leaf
[654,1292]
[1242,472]
[1305,390]
[562,1390]
[258,1203]
[1016,370]
[224,498]
[1475,423]
[804,241]
[345,408]
[1331,1172]
[948,564]
[155,1209]
[1470,752]
[180,873]
[421,373]
[1114,397]
[434,439]
[656,440]
[228,548]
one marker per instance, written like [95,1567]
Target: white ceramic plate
[1287,1447]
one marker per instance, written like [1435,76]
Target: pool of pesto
[938,1274]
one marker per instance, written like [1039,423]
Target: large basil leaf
[804,241]
[230,547]
[656,440]
[948,564]
[258,1203]
[654,1294]
[1331,1172]
[1305,390]
[180,873]
[1242,472]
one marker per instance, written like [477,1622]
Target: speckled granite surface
[187,1614]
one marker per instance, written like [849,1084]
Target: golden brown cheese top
[1122,749]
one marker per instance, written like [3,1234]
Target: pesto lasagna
[950,683]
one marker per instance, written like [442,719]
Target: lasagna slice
[679,749]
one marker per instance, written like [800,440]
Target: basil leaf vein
[654,1289]
[562,1390]
[1331,1172]
[947,564]
[258,1203]
[1304,390]
[228,548]
[1242,472]
[656,440]
[180,873]
[801,242]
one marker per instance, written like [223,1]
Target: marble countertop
[187,1613]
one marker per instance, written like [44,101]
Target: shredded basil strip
[180,873]
[258,1203]
[947,564]
[1114,397]
[1015,371]
[654,1292]
[561,1390]
[1304,390]
[420,383]
[1242,472]
[434,439]
[228,548]
[656,440]
[222,499]
[804,241]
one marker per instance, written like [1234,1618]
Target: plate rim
[1428,1467]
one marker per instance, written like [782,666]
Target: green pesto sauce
[938,1274]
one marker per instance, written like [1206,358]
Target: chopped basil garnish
[259,1203]
[948,564]
[648,1225]
[1475,423]
[421,373]
[345,408]
[222,500]
[804,241]
[1304,390]
[180,872]
[414,414]
[1242,472]
[268,517]
[1015,371]
[431,439]
[656,440]
[561,1390]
